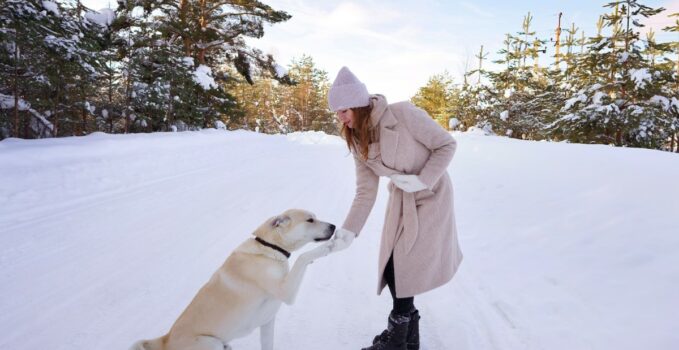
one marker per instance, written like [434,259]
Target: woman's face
[346,116]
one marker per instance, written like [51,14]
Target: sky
[395,46]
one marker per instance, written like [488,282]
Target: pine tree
[435,97]
[670,73]
[615,84]
[516,103]
[211,33]
[272,107]
[308,97]
[23,24]
[51,53]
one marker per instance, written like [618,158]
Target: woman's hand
[341,240]
[408,183]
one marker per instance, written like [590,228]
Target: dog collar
[273,246]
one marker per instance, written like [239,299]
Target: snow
[106,238]
[203,77]
[188,61]
[504,115]
[453,123]
[52,7]
[640,77]
[103,17]
[662,101]
[598,96]
[596,86]
[280,70]
[7,102]
[572,101]
[219,125]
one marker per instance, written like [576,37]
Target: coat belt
[402,213]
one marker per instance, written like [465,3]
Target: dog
[246,292]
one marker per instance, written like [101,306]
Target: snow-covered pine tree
[50,52]
[670,73]
[212,34]
[25,26]
[516,102]
[614,86]
[463,107]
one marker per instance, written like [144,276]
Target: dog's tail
[153,344]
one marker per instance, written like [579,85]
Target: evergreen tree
[614,86]
[435,97]
[308,107]
[51,54]
[272,107]
[210,36]
[670,74]
[519,99]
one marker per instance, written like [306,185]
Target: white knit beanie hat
[347,92]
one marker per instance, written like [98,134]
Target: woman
[419,249]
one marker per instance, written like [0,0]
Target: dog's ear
[280,221]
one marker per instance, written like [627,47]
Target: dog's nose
[332,227]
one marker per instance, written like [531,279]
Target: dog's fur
[247,290]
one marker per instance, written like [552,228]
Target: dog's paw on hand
[342,240]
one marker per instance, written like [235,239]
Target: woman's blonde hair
[362,134]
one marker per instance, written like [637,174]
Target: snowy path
[105,239]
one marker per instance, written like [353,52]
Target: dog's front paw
[318,252]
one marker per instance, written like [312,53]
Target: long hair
[362,134]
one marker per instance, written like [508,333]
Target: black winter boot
[394,338]
[413,338]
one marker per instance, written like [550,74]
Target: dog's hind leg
[266,335]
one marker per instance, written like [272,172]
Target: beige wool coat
[419,228]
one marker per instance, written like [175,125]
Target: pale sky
[394,46]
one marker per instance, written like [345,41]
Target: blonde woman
[419,250]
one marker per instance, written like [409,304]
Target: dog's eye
[310,220]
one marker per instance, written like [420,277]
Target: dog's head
[294,228]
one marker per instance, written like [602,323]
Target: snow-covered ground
[104,239]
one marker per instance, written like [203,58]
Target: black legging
[402,306]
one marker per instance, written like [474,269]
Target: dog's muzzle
[329,232]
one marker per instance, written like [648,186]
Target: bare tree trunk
[16,90]
[27,126]
[110,100]
[182,19]
[169,115]
[56,113]
[83,113]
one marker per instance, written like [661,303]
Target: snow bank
[314,138]
[106,238]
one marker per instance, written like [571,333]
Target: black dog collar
[273,246]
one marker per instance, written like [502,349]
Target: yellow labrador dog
[247,290]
